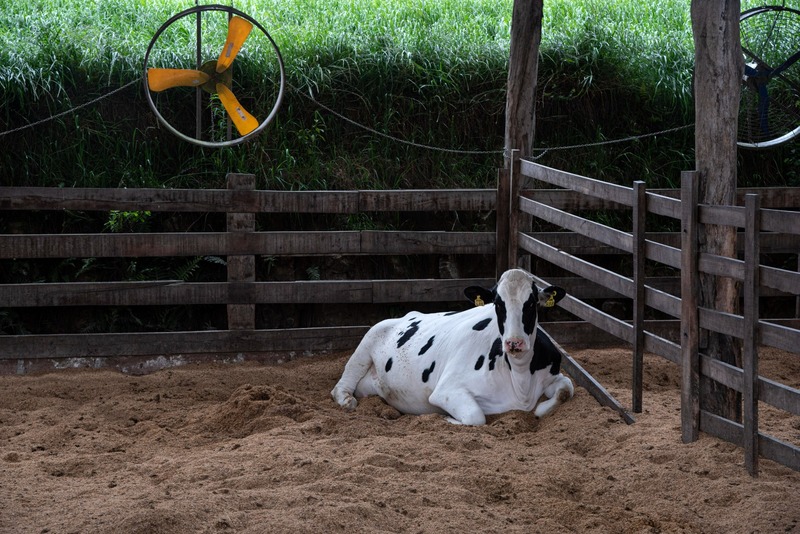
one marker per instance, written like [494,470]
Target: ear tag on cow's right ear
[551,300]
[479,301]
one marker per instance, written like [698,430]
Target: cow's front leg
[558,392]
[460,404]
[356,368]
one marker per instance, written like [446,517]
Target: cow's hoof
[349,403]
[345,400]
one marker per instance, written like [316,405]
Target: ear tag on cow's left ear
[551,300]
[479,301]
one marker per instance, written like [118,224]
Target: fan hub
[225,77]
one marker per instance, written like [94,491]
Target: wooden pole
[241,268]
[513,211]
[639,219]
[502,225]
[523,68]
[750,345]
[718,71]
[690,339]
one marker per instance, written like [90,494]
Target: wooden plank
[780,279]
[387,242]
[192,342]
[665,348]
[663,205]
[663,301]
[721,215]
[583,268]
[419,290]
[663,253]
[257,243]
[784,337]
[427,200]
[690,361]
[639,219]
[616,327]
[567,200]
[599,232]
[779,395]
[176,292]
[721,266]
[781,221]
[177,200]
[769,447]
[586,381]
[125,245]
[750,343]
[587,186]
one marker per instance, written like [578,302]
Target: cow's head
[516,300]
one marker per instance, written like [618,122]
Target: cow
[464,365]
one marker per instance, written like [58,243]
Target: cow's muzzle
[514,346]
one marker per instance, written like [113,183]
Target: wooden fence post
[639,219]
[503,207]
[514,214]
[241,268]
[751,331]
[690,339]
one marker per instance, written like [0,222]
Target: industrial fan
[214,76]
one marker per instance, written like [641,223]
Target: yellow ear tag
[479,301]
[551,301]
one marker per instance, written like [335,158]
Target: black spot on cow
[388,365]
[480,325]
[496,350]
[479,363]
[529,312]
[426,374]
[428,345]
[405,336]
[545,354]
[500,310]
[448,314]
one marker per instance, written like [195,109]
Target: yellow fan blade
[238,30]
[160,79]
[243,121]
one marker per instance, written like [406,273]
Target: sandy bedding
[263,448]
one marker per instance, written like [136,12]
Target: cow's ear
[479,295]
[550,295]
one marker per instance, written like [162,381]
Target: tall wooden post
[523,72]
[718,71]
[690,357]
[750,347]
[639,220]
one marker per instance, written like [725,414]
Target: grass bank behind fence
[428,72]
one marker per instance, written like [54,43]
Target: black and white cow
[466,365]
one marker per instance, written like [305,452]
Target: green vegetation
[427,72]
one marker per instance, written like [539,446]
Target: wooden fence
[779,227]
[569,244]
[240,244]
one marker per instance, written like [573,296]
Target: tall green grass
[428,72]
